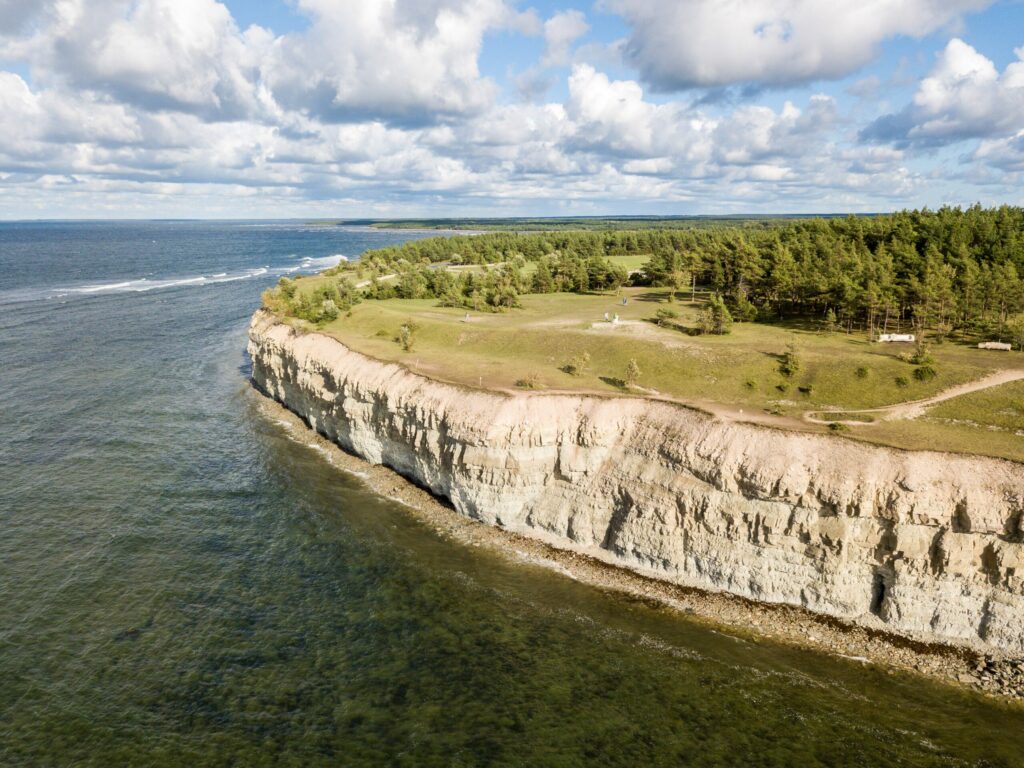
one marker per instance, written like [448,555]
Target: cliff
[922,544]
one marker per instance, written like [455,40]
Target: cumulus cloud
[405,61]
[380,103]
[16,15]
[1004,154]
[159,54]
[560,32]
[678,44]
[963,97]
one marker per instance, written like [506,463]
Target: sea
[186,582]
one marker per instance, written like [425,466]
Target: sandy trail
[914,408]
[365,283]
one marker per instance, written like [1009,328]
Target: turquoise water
[181,583]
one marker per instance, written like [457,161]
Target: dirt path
[914,408]
[365,283]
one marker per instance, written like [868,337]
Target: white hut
[904,338]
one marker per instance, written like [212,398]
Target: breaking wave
[146,284]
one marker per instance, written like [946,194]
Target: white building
[899,337]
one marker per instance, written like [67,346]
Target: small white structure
[904,338]
[615,319]
[606,317]
[996,345]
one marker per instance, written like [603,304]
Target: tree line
[948,270]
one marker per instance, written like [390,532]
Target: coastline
[994,676]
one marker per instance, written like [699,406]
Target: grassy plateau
[738,375]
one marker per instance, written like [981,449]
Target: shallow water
[182,582]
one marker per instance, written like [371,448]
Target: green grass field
[736,374]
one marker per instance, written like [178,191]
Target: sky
[455,108]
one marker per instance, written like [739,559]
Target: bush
[328,310]
[790,364]
[529,381]
[830,323]
[783,388]
[806,390]
[921,355]
[861,372]
[287,287]
[715,317]
[632,373]
[902,381]
[924,373]
[742,309]
[835,426]
[665,315]
[750,384]
[407,335]
[578,365]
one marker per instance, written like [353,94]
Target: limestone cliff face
[928,545]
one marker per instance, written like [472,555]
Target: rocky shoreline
[1000,676]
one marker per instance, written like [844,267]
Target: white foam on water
[102,287]
[145,284]
[323,262]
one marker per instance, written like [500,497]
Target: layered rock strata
[923,544]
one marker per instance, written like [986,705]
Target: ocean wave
[146,284]
[322,262]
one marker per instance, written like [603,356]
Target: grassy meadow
[738,373]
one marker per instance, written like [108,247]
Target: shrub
[529,381]
[830,323]
[783,388]
[742,309]
[715,317]
[924,373]
[807,389]
[287,287]
[861,372]
[665,315]
[328,310]
[578,365]
[835,426]
[632,372]
[790,364]
[921,355]
[902,381]
[407,335]
[750,384]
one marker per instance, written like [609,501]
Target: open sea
[185,583]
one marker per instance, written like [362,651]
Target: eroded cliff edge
[926,545]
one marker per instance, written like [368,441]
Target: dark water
[182,584]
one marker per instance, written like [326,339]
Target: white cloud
[679,44]
[382,104]
[159,54]
[963,97]
[560,32]
[400,60]
[1005,154]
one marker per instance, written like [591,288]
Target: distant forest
[575,223]
[945,270]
